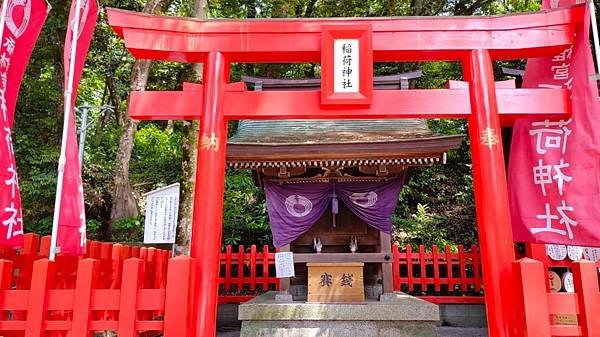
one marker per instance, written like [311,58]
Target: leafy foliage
[128,230]
[245,217]
[435,207]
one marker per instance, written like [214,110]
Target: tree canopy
[435,207]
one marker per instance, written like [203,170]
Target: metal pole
[68,113]
[595,34]
[85,109]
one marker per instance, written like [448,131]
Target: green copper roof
[286,132]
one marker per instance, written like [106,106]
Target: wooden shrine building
[318,151]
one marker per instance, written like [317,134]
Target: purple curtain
[294,208]
[374,203]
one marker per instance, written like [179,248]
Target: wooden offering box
[335,282]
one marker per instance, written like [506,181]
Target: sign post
[284,264]
[162,207]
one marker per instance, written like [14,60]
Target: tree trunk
[190,154]
[124,204]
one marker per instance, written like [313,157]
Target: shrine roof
[295,142]
[315,143]
[288,132]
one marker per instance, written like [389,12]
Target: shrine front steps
[396,315]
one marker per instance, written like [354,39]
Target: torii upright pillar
[491,193]
[208,198]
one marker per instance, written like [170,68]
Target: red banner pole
[491,194]
[208,200]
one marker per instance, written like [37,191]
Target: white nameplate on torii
[346,70]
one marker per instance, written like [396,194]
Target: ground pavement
[442,332]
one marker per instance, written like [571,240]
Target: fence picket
[133,271]
[463,268]
[265,268]
[6,272]
[178,297]
[227,285]
[409,267]
[135,251]
[117,265]
[436,268]
[533,311]
[105,265]
[449,269]
[163,264]
[240,274]
[87,272]
[252,268]
[585,277]
[41,281]
[31,244]
[45,246]
[150,276]
[423,266]
[93,250]
[396,266]
[476,271]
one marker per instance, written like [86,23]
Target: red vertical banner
[554,177]
[71,234]
[22,25]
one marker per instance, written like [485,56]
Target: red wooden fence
[140,291]
[244,274]
[137,304]
[440,276]
[541,309]
[438,272]
[110,258]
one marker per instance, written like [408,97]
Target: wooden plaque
[555,282]
[564,319]
[335,282]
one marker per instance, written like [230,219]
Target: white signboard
[162,206]
[284,264]
[345,65]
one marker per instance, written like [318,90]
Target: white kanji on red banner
[71,223]
[23,22]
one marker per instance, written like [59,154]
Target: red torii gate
[474,41]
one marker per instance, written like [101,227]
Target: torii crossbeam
[474,41]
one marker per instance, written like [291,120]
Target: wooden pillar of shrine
[208,198]
[491,193]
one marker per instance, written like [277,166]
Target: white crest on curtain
[291,203]
[364,200]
